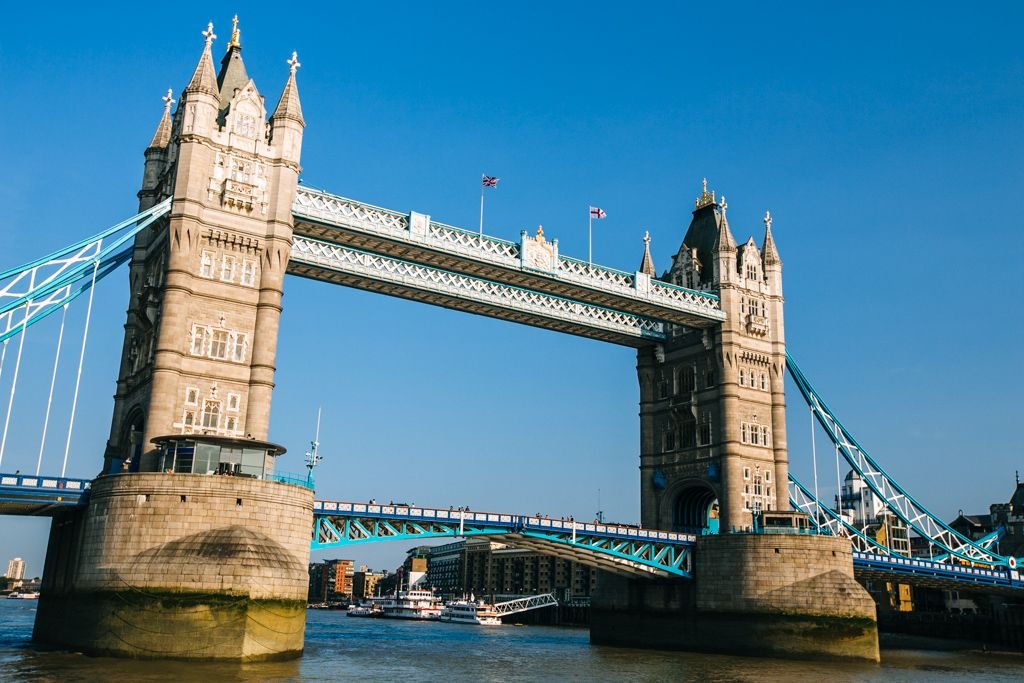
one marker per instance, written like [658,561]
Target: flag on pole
[490,181]
[597,213]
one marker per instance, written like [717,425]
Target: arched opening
[131,440]
[696,510]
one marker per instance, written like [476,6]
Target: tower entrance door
[696,510]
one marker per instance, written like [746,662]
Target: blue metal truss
[951,544]
[625,549]
[45,285]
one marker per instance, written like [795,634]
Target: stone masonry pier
[180,566]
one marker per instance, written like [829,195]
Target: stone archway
[695,509]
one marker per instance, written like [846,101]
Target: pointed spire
[647,264]
[288,107]
[724,241]
[232,75]
[204,79]
[768,249]
[236,34]
[162,136]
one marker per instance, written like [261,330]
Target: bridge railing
[541,523]
[937,570]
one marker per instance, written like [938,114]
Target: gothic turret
[156,156]
[770,254]
[286,123]
[200,99]
[647,263]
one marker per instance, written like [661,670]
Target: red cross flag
[597,213]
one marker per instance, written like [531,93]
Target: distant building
[364,583]
[331,580]
[15,572]
[486,568]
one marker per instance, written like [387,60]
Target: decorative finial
[168,101]
[722,205]
[647,238]
[235,34]
[767,220]
[209,34]
[705,199]
[294,62]
[540,232]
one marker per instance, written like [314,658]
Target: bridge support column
[768,595]
[180,566]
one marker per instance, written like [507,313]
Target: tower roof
[203,78]
[288,107]
[771,254]
[162,136]
[232,74]
[647,263]
[709,230]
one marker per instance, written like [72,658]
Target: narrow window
[743,432]
[191,396]
[239,348]
[248,272]
[233,401]
[206,264]
[743,377]
[198,340]
[227,269]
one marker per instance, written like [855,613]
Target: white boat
[470,612]
[23,596]
[412,604]
[360,611]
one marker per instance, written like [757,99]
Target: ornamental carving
[239,183]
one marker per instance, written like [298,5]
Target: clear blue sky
[886,140]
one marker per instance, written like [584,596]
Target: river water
[339,648]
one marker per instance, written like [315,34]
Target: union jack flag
[490,181]
[597,213]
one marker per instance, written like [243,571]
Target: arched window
[211,415]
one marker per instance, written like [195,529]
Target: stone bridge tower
[195,549]
[712,403]
[206,282]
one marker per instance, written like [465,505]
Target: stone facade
[712,404]
[206,282]
[173,565]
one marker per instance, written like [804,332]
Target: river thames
[340,648]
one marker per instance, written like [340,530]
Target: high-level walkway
[408,255]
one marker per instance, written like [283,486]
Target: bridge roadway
[408,255]
[617,548]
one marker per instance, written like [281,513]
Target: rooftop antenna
[313,456]
[600,512]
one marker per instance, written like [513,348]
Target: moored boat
[411,604]
[470,612]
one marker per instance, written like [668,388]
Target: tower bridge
[222,219]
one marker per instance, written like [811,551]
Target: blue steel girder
[895,498]
[25,494]
[627,550]
[533,263]
[397,277]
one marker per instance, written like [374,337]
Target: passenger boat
[30,595]
[470,612]
[412,604]
[360,611]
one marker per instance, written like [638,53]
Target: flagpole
[482,188]
[590,237]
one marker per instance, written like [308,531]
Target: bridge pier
[784,595]
[180,566]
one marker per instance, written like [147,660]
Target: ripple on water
[340,649]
